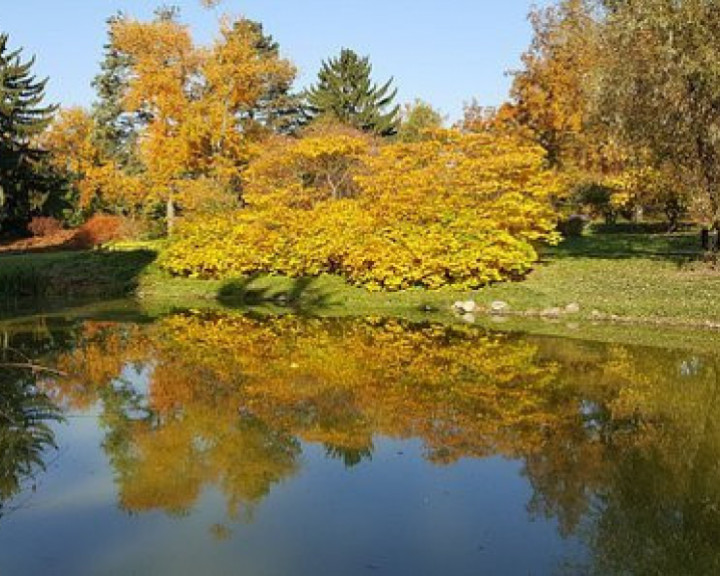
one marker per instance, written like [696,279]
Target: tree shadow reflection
[301,295]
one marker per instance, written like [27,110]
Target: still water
[210,443]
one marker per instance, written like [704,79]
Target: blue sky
[443,51]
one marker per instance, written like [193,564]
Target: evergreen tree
[115,130]
[278,109]
[24,180]
[345,91]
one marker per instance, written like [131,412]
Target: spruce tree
[115,130]
[345,91]
[24,180]
[278,109]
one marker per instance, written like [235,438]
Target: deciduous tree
[552,90]
[660,90]
[419,119]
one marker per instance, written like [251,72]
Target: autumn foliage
[99,229]
[43,226]
[456,208]
[194,112]
[462,207]
[98,179]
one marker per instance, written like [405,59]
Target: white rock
[465,307]
[573,308]
[499,307]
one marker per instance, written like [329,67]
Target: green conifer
[345,91]
[115,130]
[24,181]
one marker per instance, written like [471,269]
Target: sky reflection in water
[204,443]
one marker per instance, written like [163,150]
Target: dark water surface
[203,443]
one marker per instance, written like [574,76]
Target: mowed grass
[636,275]
[630,275]
[72,274]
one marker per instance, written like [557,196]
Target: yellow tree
[200,102]
[550,92]
[165,64]
[242,69]
[100,182]
[299,173]
[455,208]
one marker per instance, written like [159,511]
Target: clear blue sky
[443,51]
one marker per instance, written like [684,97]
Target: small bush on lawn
[44,226]
[99,229]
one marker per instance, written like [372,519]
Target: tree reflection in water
[620,444]
[26,434]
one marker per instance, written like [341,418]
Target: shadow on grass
[676,247]
[302,295]
[97,274]
[651,227]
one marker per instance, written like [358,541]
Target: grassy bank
[72,274]
[621,276]
[636,277]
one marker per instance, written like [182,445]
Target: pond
[226,443]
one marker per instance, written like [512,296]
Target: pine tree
[278,109]
[115,130]
[24,181]
[345,91]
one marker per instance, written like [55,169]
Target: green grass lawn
[630,275]
[634,277]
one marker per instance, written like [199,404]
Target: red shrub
[100,229]
[44,226]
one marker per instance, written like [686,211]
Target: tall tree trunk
[170,215]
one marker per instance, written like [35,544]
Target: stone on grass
[499,307]
[551,313]
[467,307]
[573,308]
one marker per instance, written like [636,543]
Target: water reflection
[26,417]
[621,445]
[227,400]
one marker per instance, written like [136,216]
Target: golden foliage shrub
[456,209]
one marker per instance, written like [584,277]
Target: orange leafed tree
[165,61]
[99,180]
[550,93]
[199,101]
